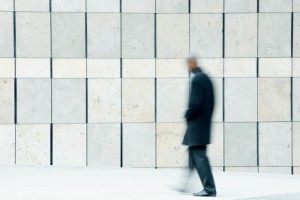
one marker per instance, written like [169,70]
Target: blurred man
[198,117]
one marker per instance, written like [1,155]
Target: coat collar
[196,70]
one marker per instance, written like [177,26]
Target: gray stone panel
[32,5]
[296,99]
[275,5]
[296,5]
[172,6]
[68,5]
[296,37]
[296,67]
[296,144]
[7,5]
[218,107]
[216,148]
[103,5]
[207,6]
[7,101]
[238,6]
[7,34]
[137,6]
[7,144]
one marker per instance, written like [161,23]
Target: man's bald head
[191,61]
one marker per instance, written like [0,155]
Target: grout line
[257,67]
[120,6]
[50,6]
[223,35]
[51,144]
[292,34]
[155,36]
[121,145]
[257,6]
[155,117]
[86,86]
[257,143]
[190,6]
[292,85]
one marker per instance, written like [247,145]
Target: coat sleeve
[196,100]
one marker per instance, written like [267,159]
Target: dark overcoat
[200,110]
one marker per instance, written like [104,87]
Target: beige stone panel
[218,107]
[7,144]
[172,6]
[296,144]
[138,6]
[213,67]
[215,149]
[242,169]
[7,101]
[103,5]
[167,68]
[207,6]
[238,6]
[275,5]
[32,5]
[68,5]
[103,68]
[275,67]
[69,68]
[138,68]
[240,67]
[7,34]
[33,67]
[7,67]
[296,67]
[296,99]
[275,170]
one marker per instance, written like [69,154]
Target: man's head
[191,61]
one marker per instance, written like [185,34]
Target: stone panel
[137,6]
[32,5]
[7,34]
[207,6]
[34,100]
[68,101]
[172,96]
[240,144]
[296,99]
[274,35]
[242,169]
[239,6]
[296,34]
[103,5]
[33,144]
[139,145]
[104,145]
[274,99]
[69,144]
[275,67]
[137,35]
[7,101]
[69,68]
[104,35]
[68,35]
[212,66]
[275,5]
[7,5]
[68,5]
[7,67]
[33,34]
[241,35]
[296,67]
[275,148]
[33,68]
[138,68]
[104,100]
[218,92]
[296,144]
[240,67]
[103,68]
[138,100]
[275,170]
[172,6]
[166,68]
[7,144]
[170,152]
[296,5]
[240,99]
[206,34]
[215,149]
[170,28]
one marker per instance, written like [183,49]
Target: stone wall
[103,83]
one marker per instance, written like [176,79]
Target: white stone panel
[7,5]
[274,101]
[32,5]
[242,169]
[7,34]
[296,67]
[206,34]
[240,67]
[103,68]
[103,5]
[275,148]
[104,35]
[296,99]
[33,34]
[241,35]
[172,35]
[296,34]
[68,101]
[274,38]
[104,100]
[296,144]
[33,68]
[33,144]
[68,35]
[275,170]
[137,35]
[172,6]
[104,145]
[215,149]
[212,66]
[167,68]
[296,5]
[68,5]
[240,144]
[138,6]
[7,101]
[170,151]
[34,100]
[275,67]
[275,5]
[69,144]
[7,67]
[238,6]
[138,68]
[139,145]
[138,100]
[69,68]
[240,99]
[172,97]
[218,92]
[207,6]
[7,144]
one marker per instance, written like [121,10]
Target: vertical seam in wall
[155,28]
[292,34]
[121,89]
[155,87]
[15,79]
[223,119]
[51,78]
[223,35]
[190,6]
[51,144]
[257,87]
[86,87]
[292,127]
[257,145]
[257,6]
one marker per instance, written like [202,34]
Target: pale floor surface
[64,183]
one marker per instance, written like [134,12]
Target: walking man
[198,117]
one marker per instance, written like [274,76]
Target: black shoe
[203,193]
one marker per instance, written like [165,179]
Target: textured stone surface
[137,35]
[215,150]
[218,107]
[172,96]
[275,5]
[172,6]
[170,152]
[213,67]
[274,34]
[7,144]
[170,28]
[33,34]
[240,67]
[7,34]
[103,68]
[296,99]
[7,5]
[104,145]
[240,139]
[68,5]
[241,100]
[296,34]
[138,68]
[166,68]
[33,144]
[274,99]
[68,35]
[103,35]
[139,145]
[296,5]
[134,6]
[34,100]
[32,5]
[242,169]
[7,101]
[104,100]
[33,67]
[103,5]
[137,100]
[296,144]
[69,144]
[275,170]
[296,67]
[69,68]
[206,34]
[275,67]
[7,67]
[207,6]
[241,35]
[68,101]
[240,6]
[275,148]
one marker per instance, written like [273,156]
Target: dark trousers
[198,160]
